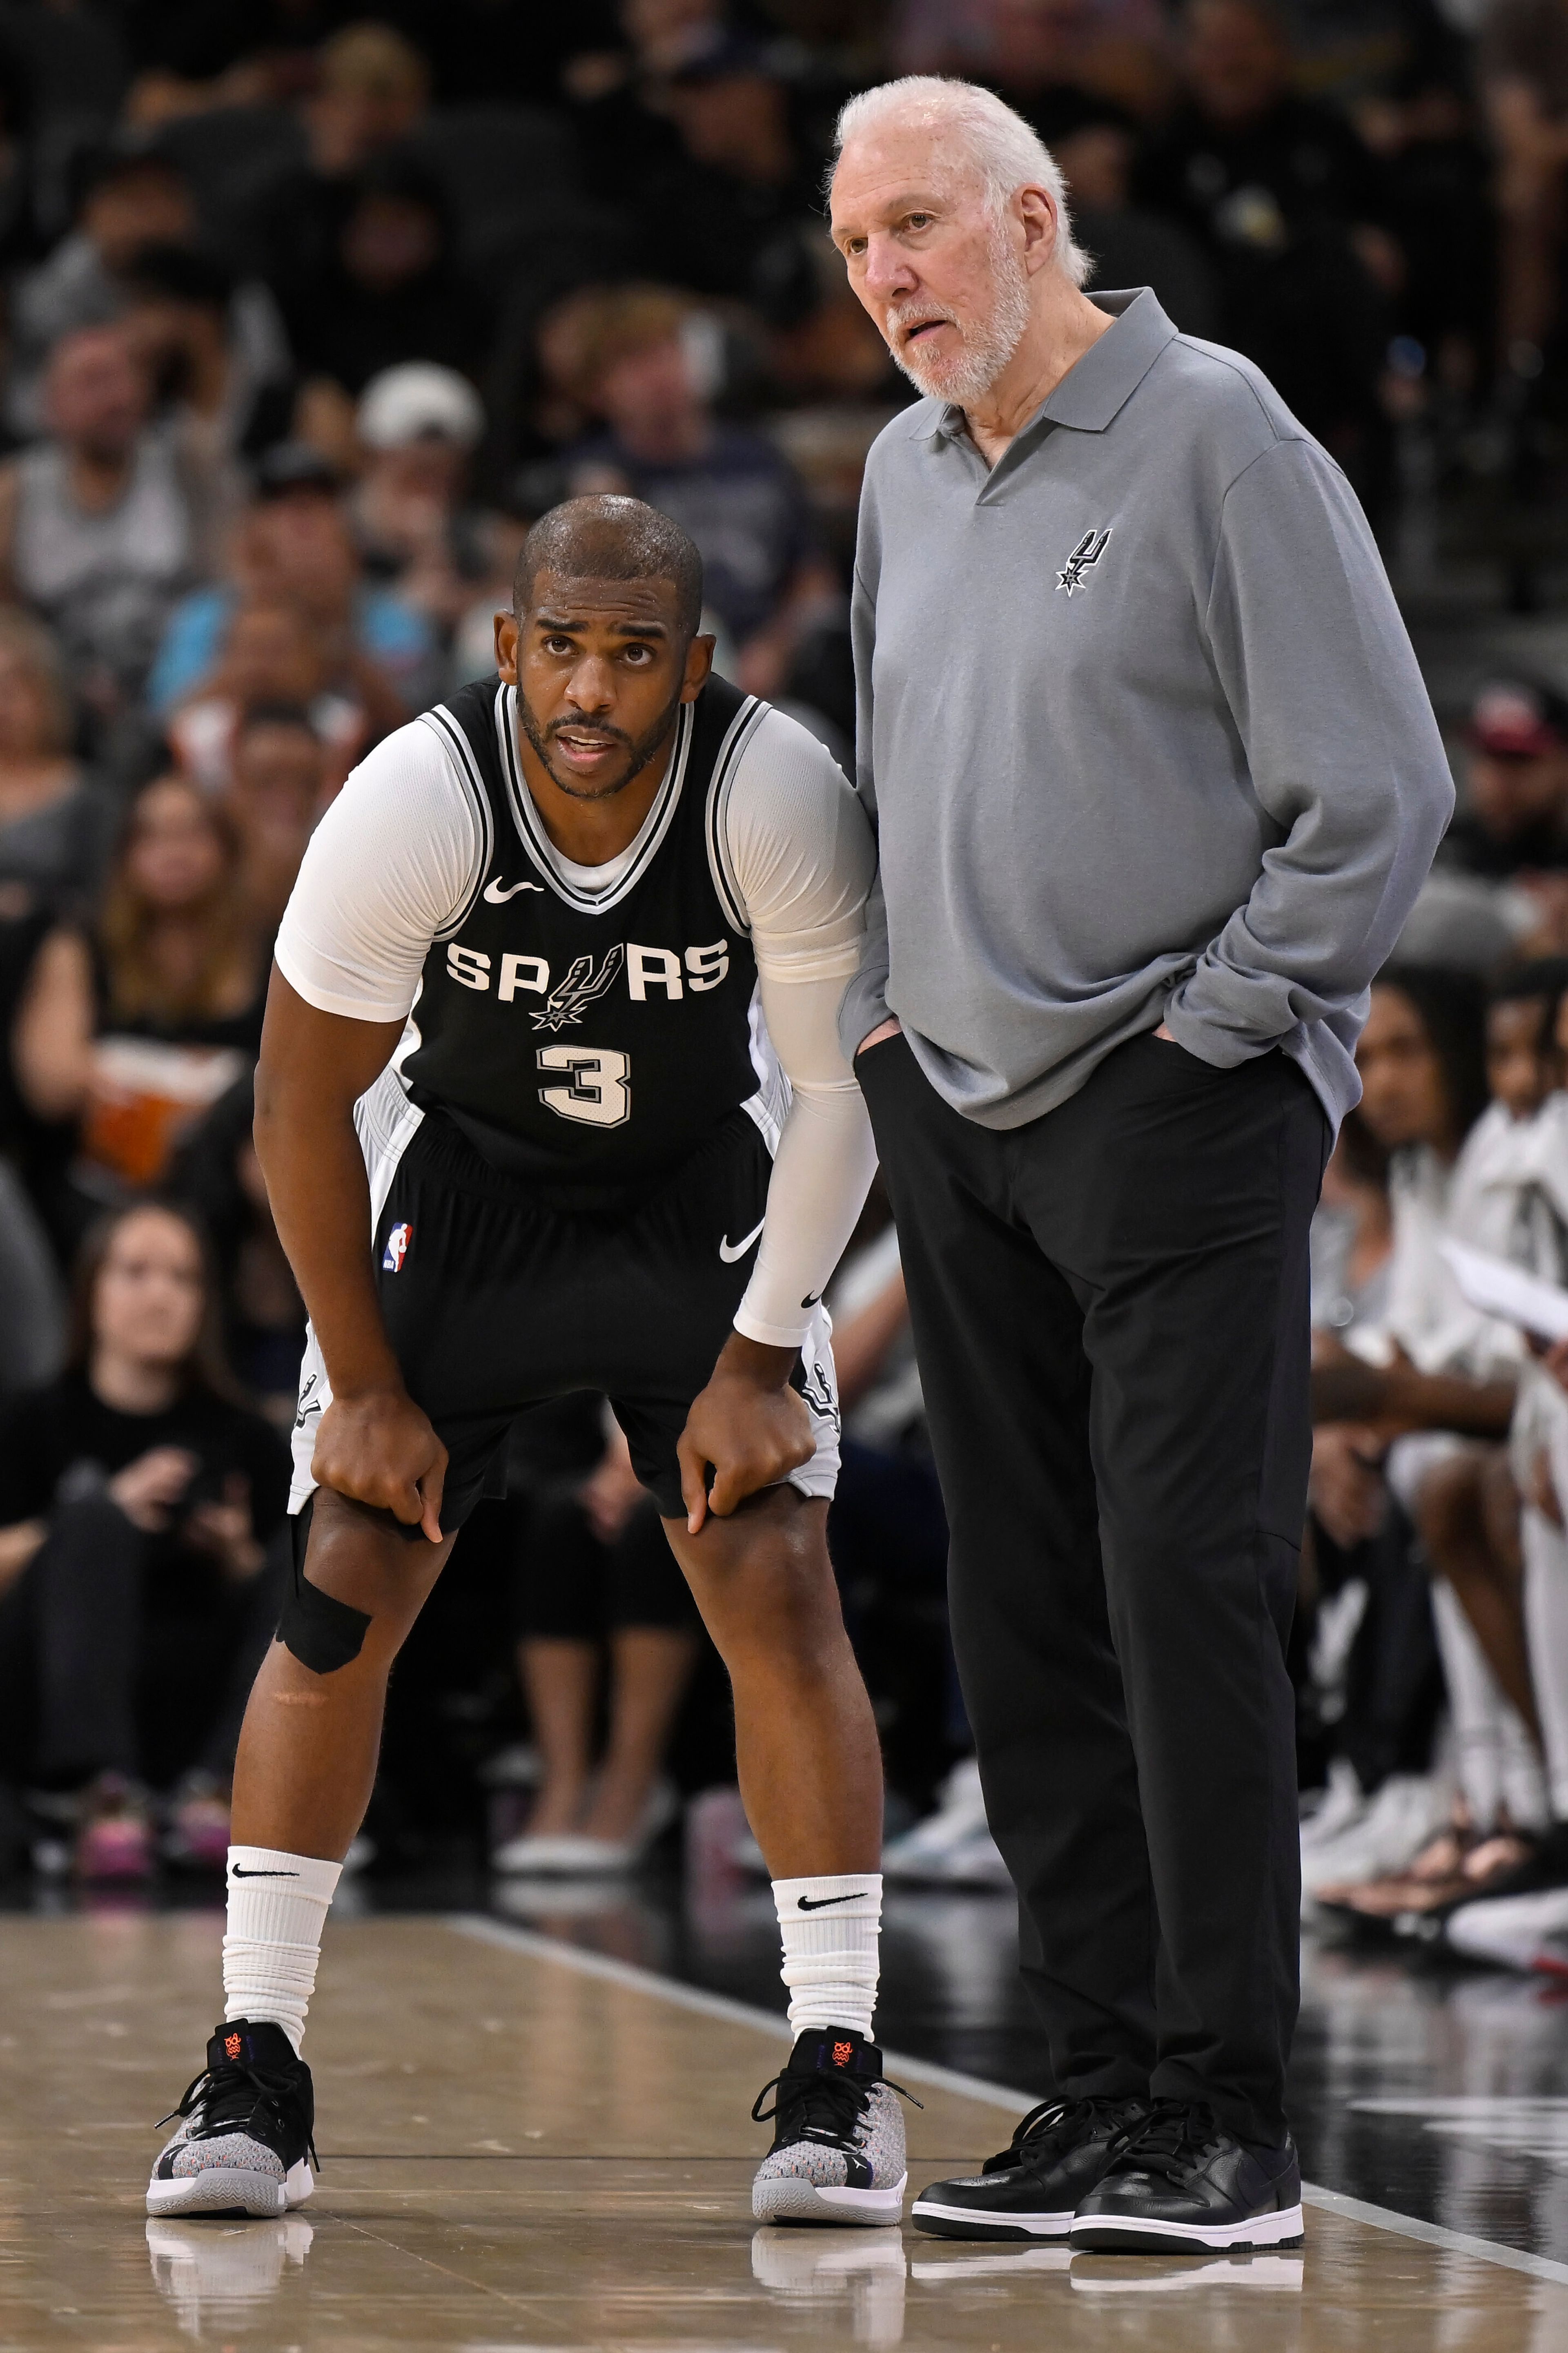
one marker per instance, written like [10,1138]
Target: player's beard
[988,342]
[641,749]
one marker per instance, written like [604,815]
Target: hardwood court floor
[525,2152]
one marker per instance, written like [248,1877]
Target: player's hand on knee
[748,1424]
[379,1449]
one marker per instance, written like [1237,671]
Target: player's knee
[783,1606]
[344,1589]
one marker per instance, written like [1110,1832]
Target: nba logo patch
[396,1251]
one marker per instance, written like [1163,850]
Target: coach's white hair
[981,131]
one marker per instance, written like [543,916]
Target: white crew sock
[1546,1623]
[276,1909]
[830,1928]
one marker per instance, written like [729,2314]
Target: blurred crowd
[305,315]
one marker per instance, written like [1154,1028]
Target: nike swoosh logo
[240,1872]
[821,1903]
[730,1251]
[498,897]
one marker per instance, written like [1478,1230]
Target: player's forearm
[822,1173]
[310,1158]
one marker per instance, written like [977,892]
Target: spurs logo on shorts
[1089,550]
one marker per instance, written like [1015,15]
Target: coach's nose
[888,274]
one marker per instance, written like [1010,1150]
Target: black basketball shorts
[494,1304]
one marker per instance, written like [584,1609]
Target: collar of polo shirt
[1100,383]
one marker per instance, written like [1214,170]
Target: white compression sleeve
[798,857]
[825,1162]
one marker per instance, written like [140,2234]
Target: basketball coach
[1156,784]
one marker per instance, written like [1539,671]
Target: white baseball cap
[417,398]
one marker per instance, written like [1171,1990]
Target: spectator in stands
[270,652]
[596,1575]
[370,89]
[742,180]
[1501,876]
[1522,67]
[389,286]
[54,828]
[1289,208]
[297,544]
[130,196]
[261,1313]
[1514,818]
[140,1029]
[631,356]
[137,1503]
[229,391]
[419,425]
[1131,245]
[1031,50]
[275,796]
[1452,1379]
[104,523]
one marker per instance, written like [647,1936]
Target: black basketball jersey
[589,1042]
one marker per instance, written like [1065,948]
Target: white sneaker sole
[220,2190]
[782,2197]
[1135,2234]
[973,2222]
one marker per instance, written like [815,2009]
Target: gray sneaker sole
[783,2199]
[223,2191]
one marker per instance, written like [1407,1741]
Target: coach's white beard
[988,344]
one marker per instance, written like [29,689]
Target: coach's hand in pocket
[748,1424]
[378,1448]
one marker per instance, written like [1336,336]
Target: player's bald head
[609,537]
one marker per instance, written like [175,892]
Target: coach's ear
[699,666]
[506,647]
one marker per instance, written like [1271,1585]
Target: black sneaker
[1179,2184]
[245,2130]
[839,2135]
[1032,2189]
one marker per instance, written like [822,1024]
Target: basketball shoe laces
[824,2107]
[235,2097]
[1040,2136]
[1167,2141]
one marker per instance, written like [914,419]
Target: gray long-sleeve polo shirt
[1140,731]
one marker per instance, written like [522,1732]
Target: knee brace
[323,1632]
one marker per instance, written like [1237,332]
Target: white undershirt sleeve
[396,857]
[802,856]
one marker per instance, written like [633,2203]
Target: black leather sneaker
[1033,2188]
[1179,2184]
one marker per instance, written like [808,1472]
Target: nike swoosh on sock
[821,1903]
[240,1872]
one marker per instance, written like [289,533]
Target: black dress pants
[115,1657]
[1110,1314]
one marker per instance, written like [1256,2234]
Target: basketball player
[521,1111]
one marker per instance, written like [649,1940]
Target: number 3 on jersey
[598,1084]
